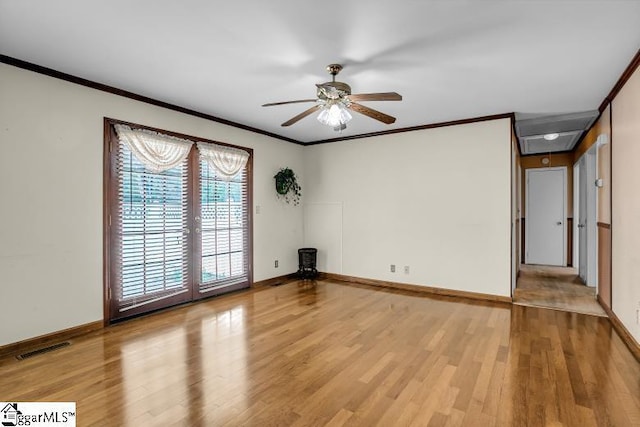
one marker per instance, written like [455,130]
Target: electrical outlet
[276,264]
[257,209]
[406,269]
[393,268]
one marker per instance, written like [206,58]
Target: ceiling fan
[335,100]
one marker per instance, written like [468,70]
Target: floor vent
[42,350]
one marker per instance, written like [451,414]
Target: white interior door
[582,218]
[519,197]
[592,212]
[514,215]
[545,236]
[587,206]
[576,215]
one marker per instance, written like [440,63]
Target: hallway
[557,288]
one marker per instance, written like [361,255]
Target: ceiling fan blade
[384,96]
[302,115]
[288,102]
[374,114]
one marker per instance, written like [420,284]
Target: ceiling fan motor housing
[333,90]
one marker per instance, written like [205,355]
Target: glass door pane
[150,237]
[223,231]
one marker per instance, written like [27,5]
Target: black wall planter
[287,186]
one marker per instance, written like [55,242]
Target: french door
[175,235]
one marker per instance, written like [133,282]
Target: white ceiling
[450,60]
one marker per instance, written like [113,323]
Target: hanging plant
[287,186]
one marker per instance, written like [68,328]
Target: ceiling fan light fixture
[334,100]
[334,115]
[551,136]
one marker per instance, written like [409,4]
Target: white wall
[625,209]
[51,168]
[441,206]
[437,200]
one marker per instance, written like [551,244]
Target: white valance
[157,152]
[226,161]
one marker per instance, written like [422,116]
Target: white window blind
[179,219]
[224,208]
[151,244]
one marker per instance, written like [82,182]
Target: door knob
[559,223]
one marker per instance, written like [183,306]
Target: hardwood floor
[558,288]
[337,354]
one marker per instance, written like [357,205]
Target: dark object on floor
[307,263]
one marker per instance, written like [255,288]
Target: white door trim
[527,234]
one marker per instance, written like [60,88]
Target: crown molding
[414,128]
[113,90]
[137,97]
[626,75]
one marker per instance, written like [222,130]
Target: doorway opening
[554,287]
[559,248]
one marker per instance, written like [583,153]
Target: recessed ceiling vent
[570,128]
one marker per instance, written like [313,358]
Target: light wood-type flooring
[336,354]
[558,288]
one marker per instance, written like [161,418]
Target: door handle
[580,225]
[559,223]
